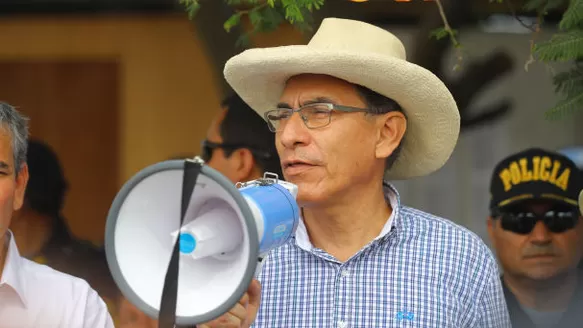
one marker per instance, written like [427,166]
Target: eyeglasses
[523,222]
[314,115]
[208,147]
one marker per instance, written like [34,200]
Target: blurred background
[116,85]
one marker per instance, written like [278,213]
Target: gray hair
[16,124]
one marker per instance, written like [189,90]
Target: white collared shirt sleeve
[96,312]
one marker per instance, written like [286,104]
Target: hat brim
[259,77]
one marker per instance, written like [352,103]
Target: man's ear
[392,128]
[242,164]
[21,182]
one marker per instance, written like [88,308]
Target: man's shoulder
[42,276]
[58,298]
[444,233]
[418,220]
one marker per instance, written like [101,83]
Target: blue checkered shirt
[421,271]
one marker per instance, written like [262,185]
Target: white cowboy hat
[367,55]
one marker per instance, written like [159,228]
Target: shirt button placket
[342,293]
[345,273]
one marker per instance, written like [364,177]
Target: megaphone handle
[167,316]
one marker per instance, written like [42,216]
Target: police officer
[537,233]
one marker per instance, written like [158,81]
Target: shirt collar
[12,275]
[391,196]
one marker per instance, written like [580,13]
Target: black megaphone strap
[167,315]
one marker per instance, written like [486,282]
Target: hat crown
[535,173]
[351,35]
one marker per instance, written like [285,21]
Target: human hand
[243,314]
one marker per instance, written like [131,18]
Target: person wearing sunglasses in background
[240,156]
[536,230]
[233,150]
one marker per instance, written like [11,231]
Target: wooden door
[74,107]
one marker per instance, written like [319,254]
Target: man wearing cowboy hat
[349,114]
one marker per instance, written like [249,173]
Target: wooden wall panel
[73,106]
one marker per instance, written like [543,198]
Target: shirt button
[345,273]
[342,324]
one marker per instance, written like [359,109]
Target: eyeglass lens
[314,116]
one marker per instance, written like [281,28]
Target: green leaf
[265,15]
[568,105]
[573,17]
[191,7]
[293,12]
[439,33]
[561,47]
[272,19]
[570,81]
[255,16]
[232,22]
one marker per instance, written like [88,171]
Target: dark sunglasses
[523,222]
[208,147]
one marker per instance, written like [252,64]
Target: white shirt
[33,295]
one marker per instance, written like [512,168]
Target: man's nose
[294,131]
[540,234]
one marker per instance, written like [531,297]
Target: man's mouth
[290,164]
[294,167]
[540,256]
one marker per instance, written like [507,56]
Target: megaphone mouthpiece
[215,232]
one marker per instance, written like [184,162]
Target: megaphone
[183,239]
